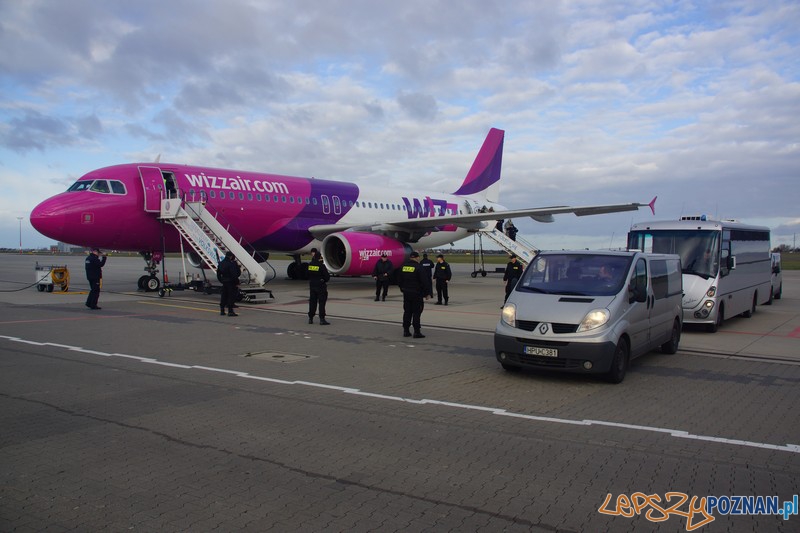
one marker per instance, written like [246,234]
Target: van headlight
[509,315]
[594,319]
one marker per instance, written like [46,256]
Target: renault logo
[543,327]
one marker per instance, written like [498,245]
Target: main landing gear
[150,281]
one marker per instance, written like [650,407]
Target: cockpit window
[117,187]
[81,186]
[100,186]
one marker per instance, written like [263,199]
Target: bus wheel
[712,328]
[749,312]
[671,346]
[619,366]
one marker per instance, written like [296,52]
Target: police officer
[382,275]
[416,286]
[428,265]
[512,275]
[318,278]
[228,273]
[94,273]
[442,274]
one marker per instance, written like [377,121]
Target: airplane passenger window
[258,197]
[266,197]
[275,198]
[250,196]
[314,201]
[80,186]
[212,193]
[283,199]
[100,186]
[291,199]
[241,196]
[222,195]
[117,187]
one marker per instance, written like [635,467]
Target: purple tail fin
[485,170]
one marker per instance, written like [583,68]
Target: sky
[697,102]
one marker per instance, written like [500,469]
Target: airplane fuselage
[118,208]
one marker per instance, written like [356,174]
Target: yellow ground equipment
[50,276]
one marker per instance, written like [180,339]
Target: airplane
[118,208]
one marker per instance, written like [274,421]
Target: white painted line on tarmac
[791,448]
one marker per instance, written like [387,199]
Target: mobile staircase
[211,238]
[524,250]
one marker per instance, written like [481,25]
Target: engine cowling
[355,254]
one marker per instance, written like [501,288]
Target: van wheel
[671,346]
[780,292]
[510,368]
[712,328]
[619,365]
[771,293]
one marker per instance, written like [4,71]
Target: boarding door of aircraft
[153,184]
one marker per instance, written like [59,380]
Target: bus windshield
[699,249]
[575,274]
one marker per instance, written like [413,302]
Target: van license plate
[546,352]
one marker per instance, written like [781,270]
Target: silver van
[591,312]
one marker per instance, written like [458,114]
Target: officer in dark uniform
[416,286]
[318,278]
[512,275]
[442,274]
[228,273]
[428,265]
[382,274]
[94,273]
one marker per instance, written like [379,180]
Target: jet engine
[355,254]
[194,259]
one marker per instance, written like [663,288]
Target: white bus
[726,264]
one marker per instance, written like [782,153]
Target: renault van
[591,312]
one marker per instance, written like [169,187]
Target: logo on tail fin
[485,170]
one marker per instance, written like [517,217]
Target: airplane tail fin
[484,175]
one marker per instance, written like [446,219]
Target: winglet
[652,205]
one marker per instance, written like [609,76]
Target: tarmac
[157,413]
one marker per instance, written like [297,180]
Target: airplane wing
[476,220]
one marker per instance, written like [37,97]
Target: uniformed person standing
[428,265]
[442,274]
[94,273]
[318,278]
[382,274]
[416,286]
[228,273]
[512,275]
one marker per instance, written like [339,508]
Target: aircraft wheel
[474,274]
[483,273]
[143,282]
[152,284]
[291,271]
[40,288]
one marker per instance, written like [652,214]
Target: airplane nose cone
[48,220]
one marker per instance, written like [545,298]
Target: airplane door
[326,205]
[337,206]
[153,184]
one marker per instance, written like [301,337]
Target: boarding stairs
[201,228]
[522,248]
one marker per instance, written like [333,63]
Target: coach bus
[726,265]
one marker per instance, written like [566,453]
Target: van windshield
[576,274]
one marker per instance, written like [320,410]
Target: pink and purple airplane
[118,208]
